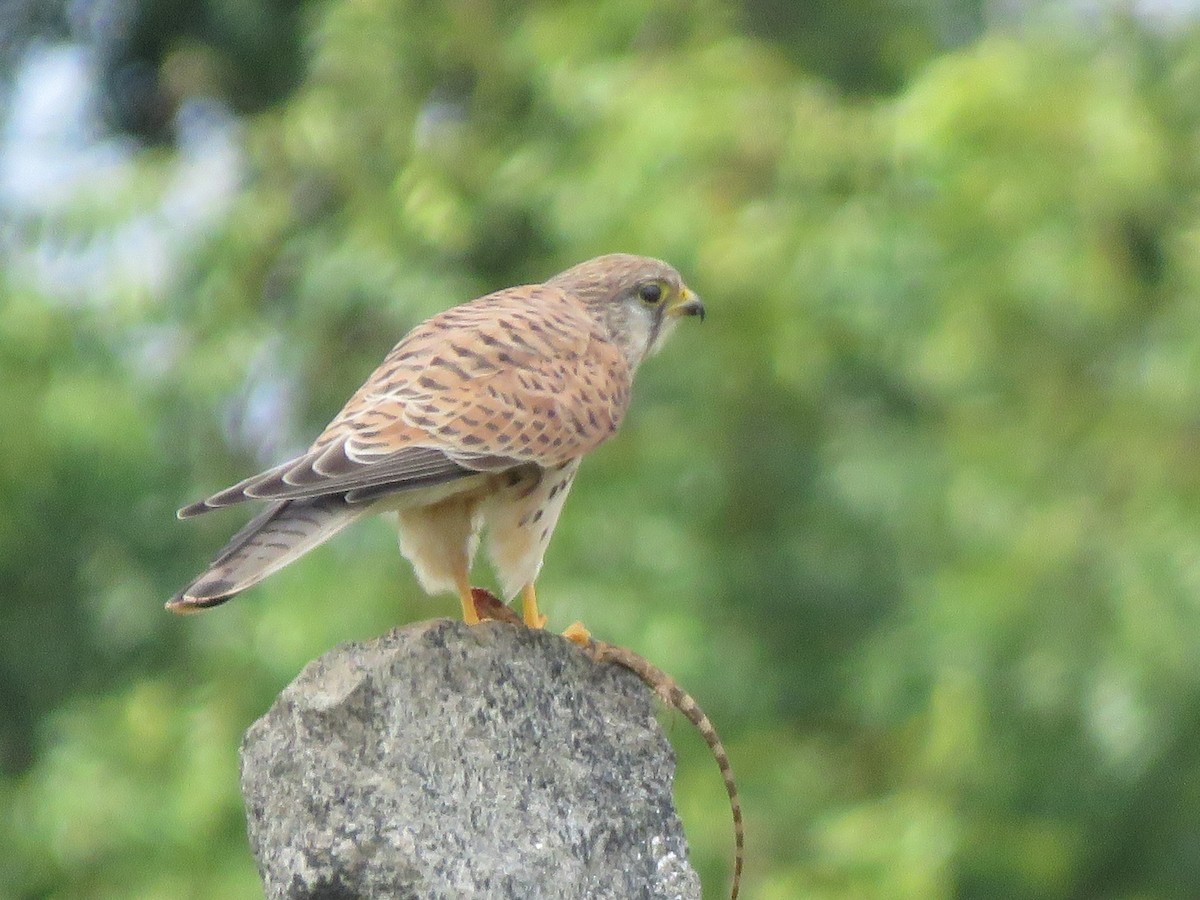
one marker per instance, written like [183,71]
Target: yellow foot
[576,633]
[529,607]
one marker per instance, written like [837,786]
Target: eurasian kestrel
[477,419]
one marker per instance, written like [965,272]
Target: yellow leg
[463,582]
[529,607]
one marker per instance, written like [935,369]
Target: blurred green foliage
[913,515]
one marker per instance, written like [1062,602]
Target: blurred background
[913,515]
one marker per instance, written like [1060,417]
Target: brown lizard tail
[676,697]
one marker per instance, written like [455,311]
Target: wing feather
[520,376]
[523,375]
[407,469]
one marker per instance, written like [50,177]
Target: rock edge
[447,760]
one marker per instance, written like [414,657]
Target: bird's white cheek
[664,332]
[640,329]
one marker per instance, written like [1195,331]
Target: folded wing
[521,376]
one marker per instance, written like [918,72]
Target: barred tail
[282,533]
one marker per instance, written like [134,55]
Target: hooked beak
[686,304]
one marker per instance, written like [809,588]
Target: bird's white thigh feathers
[440,541]
[520,520]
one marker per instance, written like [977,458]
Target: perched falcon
[477,420]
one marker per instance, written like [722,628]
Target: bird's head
[637,300]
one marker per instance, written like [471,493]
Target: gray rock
[443,760]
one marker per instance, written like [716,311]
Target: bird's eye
[651,293]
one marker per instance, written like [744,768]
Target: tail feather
[282,533]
